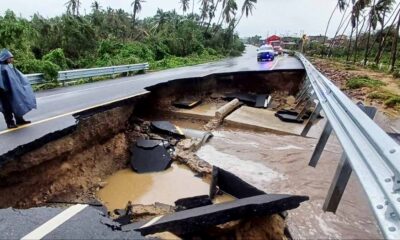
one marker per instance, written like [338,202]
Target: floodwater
[279,164]
[164,187]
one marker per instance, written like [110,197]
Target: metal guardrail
[65,76]
[35,78]
[368,151]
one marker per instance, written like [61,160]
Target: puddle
[164,187]
[249,170]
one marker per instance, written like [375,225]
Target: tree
[137,7]
[247,9]
[394,45]
[185,5]
[230,11]
[73,7]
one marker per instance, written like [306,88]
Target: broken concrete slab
[204,111]
[187,103]
[253,100]
[192,202]
[198,219]
[289,116]
[148,144]
[168,128]
[231,184]
[145,160]
[247,98]
[261,119]
[262,101]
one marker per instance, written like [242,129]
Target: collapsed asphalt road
[56,107]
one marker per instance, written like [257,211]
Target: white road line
[70,113]
[55,222]
[276,63]
[152,221]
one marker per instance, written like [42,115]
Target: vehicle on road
[265,52]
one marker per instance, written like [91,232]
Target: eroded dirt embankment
[68,168]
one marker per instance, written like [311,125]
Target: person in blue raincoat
[16,94]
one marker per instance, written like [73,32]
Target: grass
[389,99]
[364,81]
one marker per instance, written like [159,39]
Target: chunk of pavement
[148,144]
[231,184]
[198,219]
[288,116]
[262,101]
[124,219]
[247,98]
[225,110]
[187,103]
[192,202]
[150,160]
[167,128]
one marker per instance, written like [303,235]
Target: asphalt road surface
[56,106]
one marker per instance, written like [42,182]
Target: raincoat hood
[5,54]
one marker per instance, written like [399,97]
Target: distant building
[340,39]
[319,38]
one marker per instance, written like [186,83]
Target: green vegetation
[364,81]
[107,37]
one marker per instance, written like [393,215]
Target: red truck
[275,42]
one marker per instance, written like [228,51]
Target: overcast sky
[284,17]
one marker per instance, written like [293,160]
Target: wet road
[56,106]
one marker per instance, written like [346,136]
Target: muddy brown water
[164,187]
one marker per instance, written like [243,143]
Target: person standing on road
[16,94]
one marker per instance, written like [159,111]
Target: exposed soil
[339,74]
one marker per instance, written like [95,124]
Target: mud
[164,187]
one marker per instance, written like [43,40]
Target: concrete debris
[199,219]
[252,100]
[192,202]
[168,128]
[231,184]
[187,103]
[289,116]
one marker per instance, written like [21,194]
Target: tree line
[374,32]
[204,29]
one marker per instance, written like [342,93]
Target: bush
[364,81]
[57,57]
[49,69]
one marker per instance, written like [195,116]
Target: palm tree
[73,7]
[384,6]
[137,7]
[247,9]
[394,45]
[230,11]
[96,6]
[185,5]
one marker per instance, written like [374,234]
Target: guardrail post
[339,183]
[319,148]
[343,173]
[311,120]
